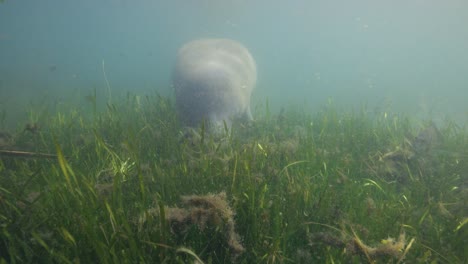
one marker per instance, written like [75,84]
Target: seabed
[128,185]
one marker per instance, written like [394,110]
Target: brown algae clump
[390,247]
[210,211]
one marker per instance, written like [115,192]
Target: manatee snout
[213,81]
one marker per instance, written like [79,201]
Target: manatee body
[213,81]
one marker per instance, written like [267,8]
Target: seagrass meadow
[128,185]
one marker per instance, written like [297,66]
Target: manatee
[213,81]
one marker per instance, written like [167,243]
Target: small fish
[90,98]
[32,127]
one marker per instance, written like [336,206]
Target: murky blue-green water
[410,55]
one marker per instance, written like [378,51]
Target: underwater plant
[123,182]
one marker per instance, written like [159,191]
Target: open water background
[407,55]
